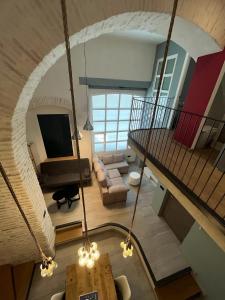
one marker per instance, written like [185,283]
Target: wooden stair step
[23,274]
[6,283]
[68,233]
[180,289]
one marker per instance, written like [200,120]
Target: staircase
[68,232]
[182,288]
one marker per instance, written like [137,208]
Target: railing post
[131,111]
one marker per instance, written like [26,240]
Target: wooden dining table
[81,280]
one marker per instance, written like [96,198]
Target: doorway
[176,216]
[56,134]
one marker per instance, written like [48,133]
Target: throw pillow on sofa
[118,188]
[114,173]
[101,176]
[107,159]
[118,157]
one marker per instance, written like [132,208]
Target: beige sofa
[114,161]
[108,168]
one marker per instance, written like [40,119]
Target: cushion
[103,167]
[100,156]
[113,173]
[98,166]
[107,159]
[101,164]
[118,165]
[118,188]
[116,181]
[118,157]
[102,178]
[86,173]
[108,181]
[61,180]
[95,158]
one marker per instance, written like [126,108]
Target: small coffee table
[134,178]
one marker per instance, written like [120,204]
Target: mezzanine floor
[196,169]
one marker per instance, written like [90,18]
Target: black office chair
[71,193]
[59,197]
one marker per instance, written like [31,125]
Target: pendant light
[48,265]
[88,253]
[87,126]
[126,245]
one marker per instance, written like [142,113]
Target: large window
[110,116]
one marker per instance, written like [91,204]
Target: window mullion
[106,97]
[118,116]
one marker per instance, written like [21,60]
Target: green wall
[158,197]
[207,261]
[173,49]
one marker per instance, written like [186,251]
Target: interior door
[179,220]
[56,134]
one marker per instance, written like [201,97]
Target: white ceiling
[139,35]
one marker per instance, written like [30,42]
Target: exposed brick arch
[51,101]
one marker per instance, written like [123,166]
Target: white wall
[107,57]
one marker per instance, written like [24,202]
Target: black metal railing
[182,145]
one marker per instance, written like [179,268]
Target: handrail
[176,109]
[121,227]
[174,131]
[159,282]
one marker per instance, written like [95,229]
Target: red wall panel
[206,73]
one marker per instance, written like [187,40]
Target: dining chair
[123,288]
[58,296]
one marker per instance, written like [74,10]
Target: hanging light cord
[154,110]
[86,81]
[68,54]
[6,179]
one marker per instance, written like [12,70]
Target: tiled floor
[158,241]
[44,288]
